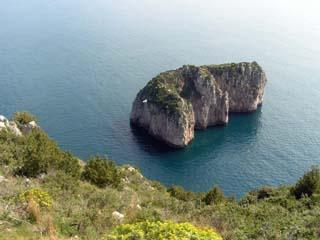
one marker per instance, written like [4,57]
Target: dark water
[78,65]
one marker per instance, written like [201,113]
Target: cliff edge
[175,103]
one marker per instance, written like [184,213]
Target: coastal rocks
[176,102]
[210,104]
[244,83]
[16,129]
[9,125]
[178,128]
[26,128]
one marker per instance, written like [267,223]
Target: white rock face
[9,125]
[210,104]
[176,131]
[14,128]
[244,82]
[131,169]
[176,102]
[26,128]
[3,119]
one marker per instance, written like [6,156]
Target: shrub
[308,184]
[36,195]
[256,195]
[181,194]
[101,172]
[39,153]
[264,192]
[161,230]
[214,196]
[157,185]
[10,148]
[6,154]
[23,117]
[147,214]
[70,165]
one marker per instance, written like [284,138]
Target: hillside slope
[46,193]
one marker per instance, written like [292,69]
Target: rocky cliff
[16,128]
[176,102]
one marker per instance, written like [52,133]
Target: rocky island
[175,103]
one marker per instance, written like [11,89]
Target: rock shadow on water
[242,126]
[250,122]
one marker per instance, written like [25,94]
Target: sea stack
[175,103]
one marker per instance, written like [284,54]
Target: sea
[78,65]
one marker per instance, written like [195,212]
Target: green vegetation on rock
[23,117]
[164,93]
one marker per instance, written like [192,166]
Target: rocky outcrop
[16,128]
[26,128]
[244,83]
[9,126]
[176,102]
[178,128]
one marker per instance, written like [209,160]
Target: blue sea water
[78,65]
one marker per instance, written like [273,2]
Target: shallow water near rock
[78,65]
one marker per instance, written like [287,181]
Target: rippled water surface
[78,65]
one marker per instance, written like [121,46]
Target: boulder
[26,128]
[118,216]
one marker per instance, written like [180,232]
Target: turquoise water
[78,65]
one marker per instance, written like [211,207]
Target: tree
[308,184]
[39,152]
[214,196]
[101,172]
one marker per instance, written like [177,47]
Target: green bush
[256,195]
[101,172]
[161,231]
[70,165]
[264,192]
[10,148]
[308,184]
[181,194]
[6,154]
[23,117]
[148,214]
[39,152]
[214,196]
